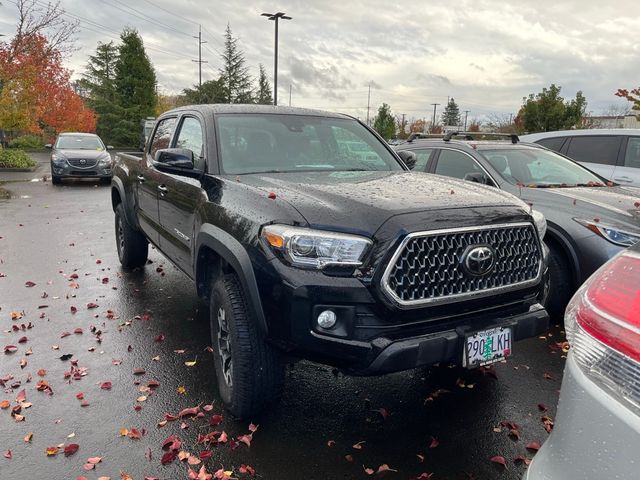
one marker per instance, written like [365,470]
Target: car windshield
[79,142]
[293,143]
[539,168]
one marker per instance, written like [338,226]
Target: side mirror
[477,177]
[48,145]
[174,158]
[409,158]
[109,147]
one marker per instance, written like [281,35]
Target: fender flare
[118,185]
[231,251]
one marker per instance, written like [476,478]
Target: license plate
[486,347]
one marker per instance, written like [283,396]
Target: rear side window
[423,155]
[632,157]
[552,143]
[456,164]
[162,135]
[597,149]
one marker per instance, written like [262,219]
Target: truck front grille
[433,267]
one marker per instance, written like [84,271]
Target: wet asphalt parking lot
[99,350]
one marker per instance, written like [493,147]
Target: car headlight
[541,223]
[613,234]
[105,161]
[58,158]
[305,247]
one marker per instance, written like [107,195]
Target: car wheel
[560,284]
[56,180]
[250,373]
[133,247]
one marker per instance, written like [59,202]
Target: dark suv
[309,238]
[79,155]
[589,219]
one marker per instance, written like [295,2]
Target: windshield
[540,168]
[292,143]
[79,142]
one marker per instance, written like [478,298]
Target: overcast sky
[487,54]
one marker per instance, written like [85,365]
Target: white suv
[613,153]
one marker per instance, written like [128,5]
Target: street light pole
[275,17]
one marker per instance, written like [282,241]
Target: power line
[143,16]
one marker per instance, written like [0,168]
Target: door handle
[140,178]
[623,179]
[162,189]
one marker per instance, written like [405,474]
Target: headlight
[309,248]
[105,161]
[58,158]
[541,223]
[610,233]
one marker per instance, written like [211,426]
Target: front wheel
[133,247]
[250,374]
[56,180]
[560,285]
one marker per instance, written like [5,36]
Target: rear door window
[554,144]
[423,156]
[632,155]
[595,149]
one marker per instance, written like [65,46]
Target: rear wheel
[133,247]
[560,283]
[250,374]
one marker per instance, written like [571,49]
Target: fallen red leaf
[533,446]
[29,284]
[185,412]
[434,442]
[168,458]
[499,459]
[8,454]
[216,420]
[91,305]
[71,449]
[10,349]
[106,386]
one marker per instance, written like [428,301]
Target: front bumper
[371,338]
[594,435]
[68,171]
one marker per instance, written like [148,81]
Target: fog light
[327,319]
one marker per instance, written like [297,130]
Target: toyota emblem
[478,260]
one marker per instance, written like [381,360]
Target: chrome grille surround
[441,278]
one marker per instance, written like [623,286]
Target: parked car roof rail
[470,135]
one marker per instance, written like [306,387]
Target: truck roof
[225,108]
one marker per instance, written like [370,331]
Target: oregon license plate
[486,347]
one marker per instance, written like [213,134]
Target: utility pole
[510,118]
[368,102]
[289,94]
[199,61]
[433,124]
[404,130]
[466,113]
[275,17]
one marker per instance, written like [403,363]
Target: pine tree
[212,91]
[234,73]
[263,95]
[134,83]
[451,114]
[98,81]
[384,122]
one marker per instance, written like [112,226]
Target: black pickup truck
[309,237]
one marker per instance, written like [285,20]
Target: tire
[560,282]
[56,180]
[133,247]
[249,372]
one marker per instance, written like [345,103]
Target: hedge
[15,159]
[27,142]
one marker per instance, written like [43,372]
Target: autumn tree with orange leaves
[35,92]
[633,96]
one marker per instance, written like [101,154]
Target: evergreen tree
[135,81]
[234,73]
[547,111]
[212,91]
[98,83]
[263,95]
[451,114]
[384,122]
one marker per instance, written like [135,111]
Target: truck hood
[362,201]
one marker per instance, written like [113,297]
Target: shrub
[15,159]
[27,142]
